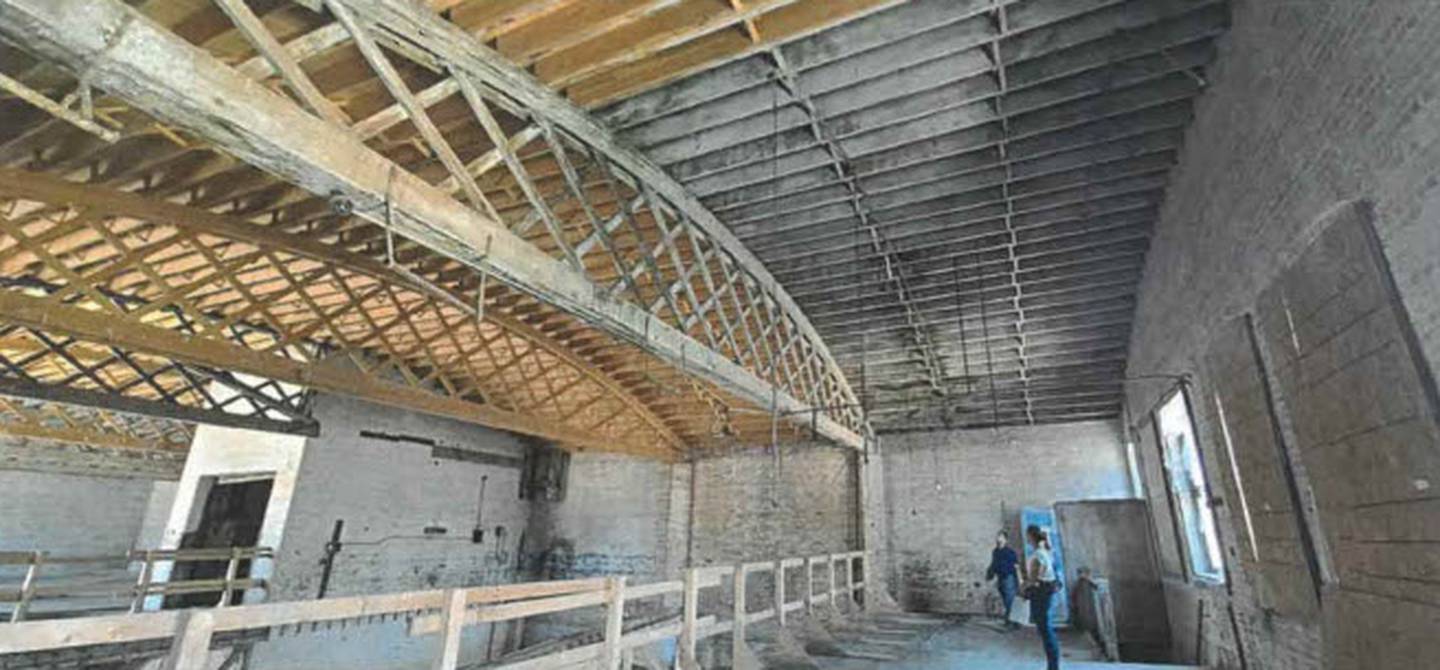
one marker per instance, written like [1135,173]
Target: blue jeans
[1007,585]
[1040,616]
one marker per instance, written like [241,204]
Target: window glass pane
[1186,477]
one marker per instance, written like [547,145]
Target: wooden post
[230,569]
[831,560]
[452,624]
[809,584]
[191,648]
[691,613]
[142,582]
[614,622]
[27,587]
[737,635]
[865,581]
[780,591]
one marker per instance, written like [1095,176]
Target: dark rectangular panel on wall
[1147,448]
[1361,401]
[1253,479]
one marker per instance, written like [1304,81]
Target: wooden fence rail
[445,613]
[30,588]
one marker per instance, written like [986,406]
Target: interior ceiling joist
[946,202]
[958,194]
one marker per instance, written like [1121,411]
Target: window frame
[1206,562]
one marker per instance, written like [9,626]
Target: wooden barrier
[445,613]
[31,590]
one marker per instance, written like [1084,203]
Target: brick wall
[948,492]
[1313,107]
[751,505]
[36,455]
[615,519]
[388,493]
[69,515]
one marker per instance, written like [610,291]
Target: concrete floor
[981,644]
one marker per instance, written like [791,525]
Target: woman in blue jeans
[1040,587]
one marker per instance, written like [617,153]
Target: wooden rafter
[315,304]
[323,158]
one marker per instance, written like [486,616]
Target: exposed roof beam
[106,202]
[133,57]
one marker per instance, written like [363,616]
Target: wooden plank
[737,633]
[653,589]
[27,587]
[779,591]
[191,648]
[279,58]
[55,109]
[390,78]
[809,584]
[611,649]
[506,592]
[319,611]
[451,624]
[430,624]
[831,562]
[689,635]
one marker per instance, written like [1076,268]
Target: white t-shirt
[1044,565]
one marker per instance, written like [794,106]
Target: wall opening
[1186,477]
[232,515]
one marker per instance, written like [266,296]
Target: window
[1186,477]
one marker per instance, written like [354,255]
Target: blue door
[1044,517]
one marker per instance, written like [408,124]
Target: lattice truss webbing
[278,297]
[28,418]
[489,150]
[57,368]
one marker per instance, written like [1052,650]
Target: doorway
[232,515]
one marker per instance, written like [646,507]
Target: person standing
[1003,562]
[1040,590]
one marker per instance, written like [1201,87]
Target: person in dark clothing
[1002,569]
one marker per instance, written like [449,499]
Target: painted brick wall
[388,493]
[22,453]
[949,492]
[69,515]
[615,520]
[751,506]
[1312,105]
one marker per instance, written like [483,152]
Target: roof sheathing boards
[968,184]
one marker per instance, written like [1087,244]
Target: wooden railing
[31,589]
[446,612]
